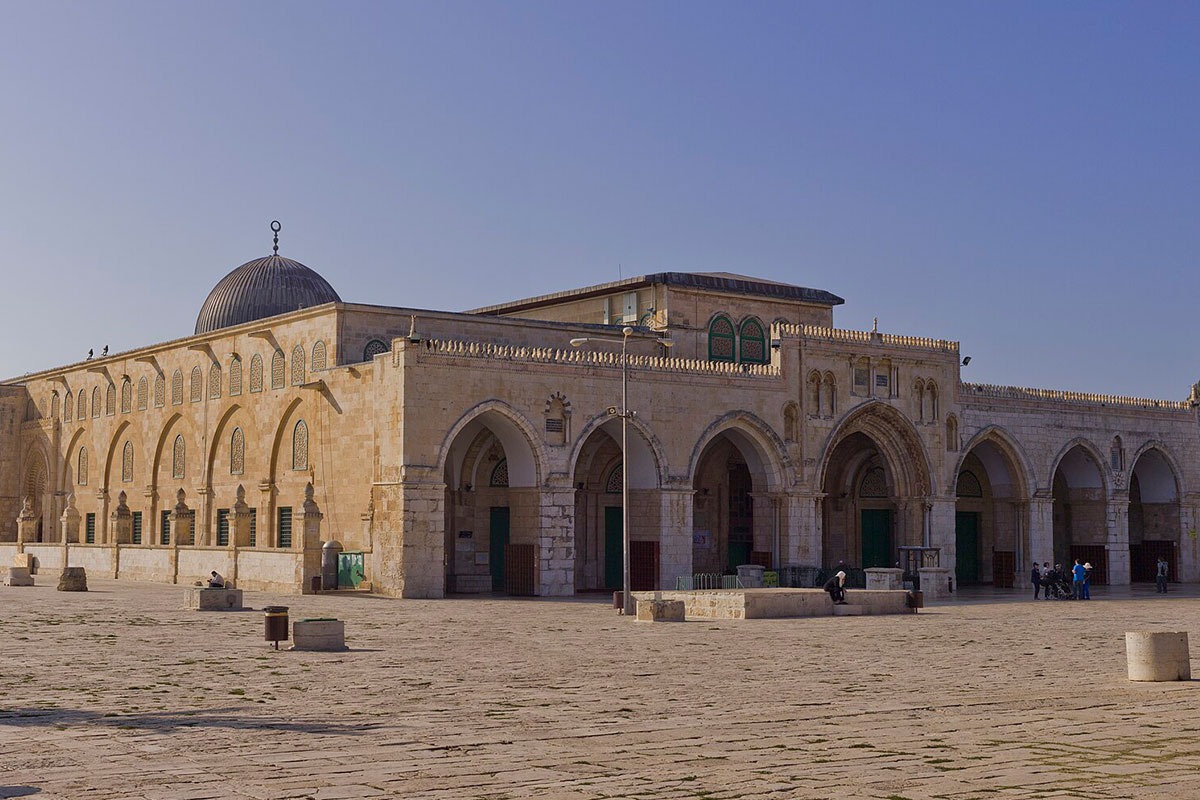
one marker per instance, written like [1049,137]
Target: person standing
[1078,574]
[1087,580]
[1047,580]
[1036,577]
[1160,576]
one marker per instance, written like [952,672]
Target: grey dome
[263,288]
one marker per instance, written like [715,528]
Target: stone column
[556,541]
[942,531]
[1117,544]
[121,522]
[27,522]
[1041,528]
[801,529]
[70,522]
[307,520]
[102,536]
[410,541]
[267,535]
[239,521]
[675,535]
[1189,546]
[151,535]
[204,534]
[183,519]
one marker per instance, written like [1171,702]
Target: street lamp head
[667,342]
[626,331]
[580,342]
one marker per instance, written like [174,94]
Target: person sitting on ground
[216,581]
[836,586]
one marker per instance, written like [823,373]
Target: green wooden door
[966,546]
[614,550]
[351,569]
[497,539]
[876,538]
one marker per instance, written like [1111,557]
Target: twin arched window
[748,345]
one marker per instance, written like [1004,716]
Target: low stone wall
[778,603]
[197,564]
[144,564]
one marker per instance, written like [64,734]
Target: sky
[1022,177]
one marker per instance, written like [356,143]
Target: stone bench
[318,634]
[660,610]
[1158,656]
[205,599]
[18,576]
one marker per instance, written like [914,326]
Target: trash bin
[276,624]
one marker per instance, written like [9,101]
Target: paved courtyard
[121,693]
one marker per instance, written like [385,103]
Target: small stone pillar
[27,522]
[308,521]
[884,577]
[183,521]
[751,575]
[935,583]
[1158,656]
[70,521]
[240,520]
[121,519]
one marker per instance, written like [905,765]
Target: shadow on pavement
[172,720]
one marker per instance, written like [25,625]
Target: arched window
[499,479]
[126,396]
[256,376]
[919,393]
[95,402]
[197,390]
[612,484]
[68,407]
[969,485]
[177,388]
[235,376]
[81,465]
[110,400]
[31,412]
[753,342]
[931,392]
[214,382]
[237,452]
[178,458]
[829,392]
[300,446]
[278,371]
[374,348]
[1117,454]
[721,339]
[791,423]
[143,393]
[874,484]
[81,411]
[54,405]
[297,365]
[951,433]
[814,393]
[318,358]
[127,463]
[160,390]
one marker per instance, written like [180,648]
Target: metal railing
[704,581]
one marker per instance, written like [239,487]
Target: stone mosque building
[464,452]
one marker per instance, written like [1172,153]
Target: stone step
[847,611]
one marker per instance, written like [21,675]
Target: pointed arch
[81,411]
[896,436]
[214,382]
[1086,446]
[1161,448]
[95,402]
[54,405]
[1024,477]
[110,400]
[278,370]
[160,390]
[648,457]
[523,447]
[68,407]
[177,388]
[218,439]
[751,433]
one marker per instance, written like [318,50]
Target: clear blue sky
[1022,177]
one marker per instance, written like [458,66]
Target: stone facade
[476,451]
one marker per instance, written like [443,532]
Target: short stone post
[27,522]
[240,520]
[308,520]
[935,583]
[1158,656]
[884,577]
[121,520]
[70,523]
[183,521]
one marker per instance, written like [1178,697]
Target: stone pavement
[121,693]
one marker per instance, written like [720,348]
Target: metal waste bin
[275,625]
[329,564]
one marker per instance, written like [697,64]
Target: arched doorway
[733,518]
[599,532]
[491,511]
[1080,512]
[1154,525]
[990,516]
[35,488]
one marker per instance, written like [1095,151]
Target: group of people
[1060,584]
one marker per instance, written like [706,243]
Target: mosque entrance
[741,516]
[966,546]
[614,550]
[498,536]
[876,537]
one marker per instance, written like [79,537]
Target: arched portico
[992,512]
[1154,521]
[1080,516]
[874,478]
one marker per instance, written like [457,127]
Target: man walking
[1036,577]
[1160,576]
[1078,574]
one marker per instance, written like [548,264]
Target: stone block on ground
[884,578]
[18,576]
[1158,656]
[25,560]
[660,610]
[935,583]
[751,576]
[73,579]
[318,634]
[206,599]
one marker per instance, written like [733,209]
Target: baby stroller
[1059,588]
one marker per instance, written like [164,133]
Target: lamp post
[624,413]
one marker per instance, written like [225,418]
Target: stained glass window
[237,452]
[214,382]
[753,342]
[278,370]
[374,348]
[968,485]
[143,393]
[300,446]
[500,475]
[297,365]
[615,477]
[178,458]
[318,357]
[874,483]
[256,376]
[235,376]
[197,390]
[720,340]
[127,463]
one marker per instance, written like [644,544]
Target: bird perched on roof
[104,352]
[89,358]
